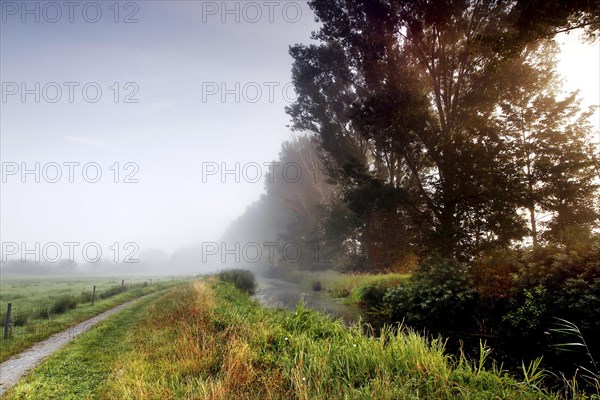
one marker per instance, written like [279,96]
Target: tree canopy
[443,124]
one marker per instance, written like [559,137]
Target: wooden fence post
[122,284]
[7,323]
[94,295]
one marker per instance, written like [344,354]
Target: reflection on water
[273,292]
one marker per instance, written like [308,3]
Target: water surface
[273,292]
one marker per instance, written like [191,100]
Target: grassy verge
[22,337]
[351,288]
[207,340]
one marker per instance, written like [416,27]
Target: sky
[168,122]
[140,108]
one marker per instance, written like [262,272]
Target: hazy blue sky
[170,61]
[168,55]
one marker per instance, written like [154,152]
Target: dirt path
[14,368]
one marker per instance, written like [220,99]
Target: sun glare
[579,64]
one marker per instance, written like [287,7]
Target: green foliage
[113,291]
[371,295]
[43,312]
[439,295]
[493,273]
[242,279]
[19,319]
[441,141]
[63,304]
[85,296]
[529,316]
[213,342]
[532,373]
[553,283]
[353,288]
[34,312]
[572,332]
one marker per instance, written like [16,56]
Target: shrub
[19,318]
[85,296]
[113,291]
[242,279]
[42,313]
[439,295]
[316,286]
[493,275]
[63,304]
[372,295]
[553,283]
[529,315]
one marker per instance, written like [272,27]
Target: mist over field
[111,127]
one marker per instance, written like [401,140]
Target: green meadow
[44,306]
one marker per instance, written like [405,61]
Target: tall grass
[210,341]
[577,343]
[349,287]
[242,279]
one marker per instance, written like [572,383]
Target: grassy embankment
[350,288]
[43,307]
[207,340]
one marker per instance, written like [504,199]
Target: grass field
[207,340]
[32,295]
[78,371]
[44,306]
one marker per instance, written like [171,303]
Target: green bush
[440,295]
[19,318]
[63,304]
[553,283]
[85,296]
[242,279]
[41,313]
[113,291]
[372,295]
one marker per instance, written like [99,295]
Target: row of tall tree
[441,127]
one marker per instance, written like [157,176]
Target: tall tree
[404,97]
[398,93]
[289,213]
[551,144]
[536,19]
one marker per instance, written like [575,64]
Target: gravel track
[14,368]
